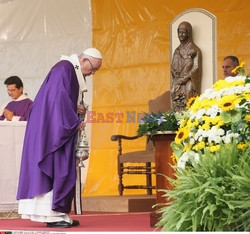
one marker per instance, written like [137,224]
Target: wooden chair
[140,162]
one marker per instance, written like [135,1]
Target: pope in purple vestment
[48,165]
[48,160]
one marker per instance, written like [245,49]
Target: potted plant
[154,123]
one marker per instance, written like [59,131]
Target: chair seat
[138,157]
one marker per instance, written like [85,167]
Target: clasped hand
[8,114]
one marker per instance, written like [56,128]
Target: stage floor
[89,222]
[100,214]
[125,203]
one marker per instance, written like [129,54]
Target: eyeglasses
[94,69]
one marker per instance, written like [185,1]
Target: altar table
[11,143]
[163,169]
[163,164]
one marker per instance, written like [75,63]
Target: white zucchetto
[93,52]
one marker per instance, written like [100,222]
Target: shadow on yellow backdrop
[134,39]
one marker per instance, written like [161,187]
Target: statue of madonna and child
[186,69]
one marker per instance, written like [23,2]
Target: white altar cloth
[11,143]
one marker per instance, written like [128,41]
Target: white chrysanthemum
[196,157]
[216,139]
[199,113]
[205,133]
[213,111]
[200,139]
[186,156]
[229,136]
[192,115]
[215,135]
[182,160]
[238,105]
[208,93]
[198,134]
[245,105]
[212,94]
[232,90]
[191,141]
[191,134]
[235,78]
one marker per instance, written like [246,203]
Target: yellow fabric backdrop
[134,39]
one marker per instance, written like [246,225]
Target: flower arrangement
[210,191]
[219,115]
[152,123]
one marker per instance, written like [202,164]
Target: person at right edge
[229,63]
[48,167]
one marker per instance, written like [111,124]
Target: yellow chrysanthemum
[187,147]
[196,105]
[191,123]
[205,126]
[214,148]
[183,123]
[242,146]
[199,146]
[247,117]
[221,84]
[246,95]
[219,124]
[216,120]
[207,103]
[196,122]
[208,120]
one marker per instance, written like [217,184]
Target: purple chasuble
[48,157]
[20,108]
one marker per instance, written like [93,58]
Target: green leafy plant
[212,195]
[152,123]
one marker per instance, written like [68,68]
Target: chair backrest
[159,104]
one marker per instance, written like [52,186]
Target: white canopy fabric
[34,35]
